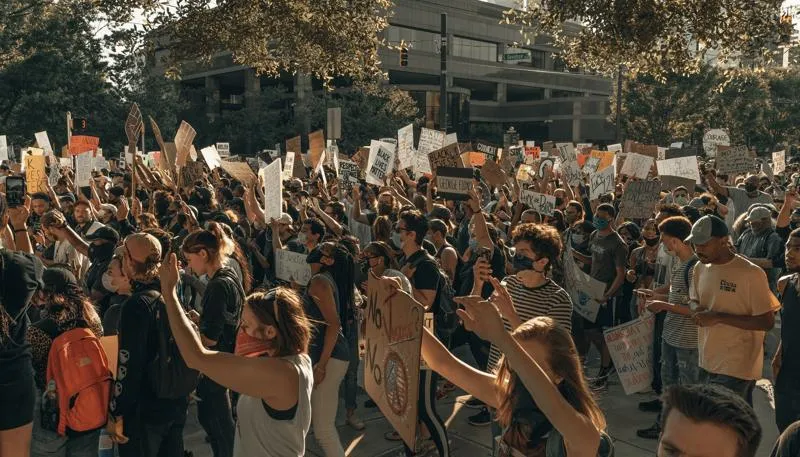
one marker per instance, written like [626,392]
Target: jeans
[324,403]
[679,366]
[787,406]
[150,439]
[741,387]
[47,443]
[351,377]
[215,415]
[658,331]
[428,380]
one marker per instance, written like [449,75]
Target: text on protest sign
[391,364]
[541,203]
[487,148]
[631,348]
[684,167]
[566,151]
[240,171]
[571,173]
[606,159]
[3,148]
[291,266]
[454,183]
[83,169]
[273,190]
[524,173]
[778,162]
[211,156]
[430,140]
[405,146]
[602,182]
[640,199]
[590,166]
[224,149]
[735,160]
[35,175]
[637,165]
[585,293]
[288,167]
[348,173]
[381,162]
[448,156]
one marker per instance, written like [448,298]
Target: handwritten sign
[44,142]
[606,159]
[640,199]
[684,167]
[493,174]
[713,139]
[83,169]
[778,162]
[183,142]
[590,166]
[566,151]
[430,140]
[273,190]
[405,146]
[391,363]
[544,164]
[316,144]
[571,173]
[734,161]
[349,173]
[291,266]
[3,148]
[288,167]
[524,173]
[614,147]
[381,162]
[454,183]
[631,348]
[487,148]
[240,171]
[602,182]
[585,293]
[448,156]
[541,203]
[35,173]
[637,165]
[211,156]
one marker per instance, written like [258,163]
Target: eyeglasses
[400,229]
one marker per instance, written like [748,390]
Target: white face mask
[301,237]
[108,283]
[396,239]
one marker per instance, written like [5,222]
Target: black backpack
[170,377]
[445,318]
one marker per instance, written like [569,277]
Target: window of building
[559,64]
[474,49]
[417,40]
[538,59]
[564,94]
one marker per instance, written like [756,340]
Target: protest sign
[44,143]
[430,140]
[361,157]
[454,183]
[566,151]
[487,148]
[294,145]
[55,173]
[391,363]
[3,148]
[100,162]
[524,173]
[405,146]
[83,169]
[240,171]
[493,174]
[381,162]
[544,164]
[637,165]
[316,144]
[668,183]
[640,199]
[170,153]
[586,293]
[614,147]
[778,161]
[683,151]
[211,156]
[448,156]
[590,166]
[766,168]
[684,167]
[541,203]
[516,154]
[183,142]
[473,158]
[734,161]
[631,349]
[273,190]
[79,144]
[450,138]
[602,182]
[291,266]
[224,149]
[606,159]
[713,139]
[35,173]
[156,132]
[288,167]
[191,173]
[134,125]
[349,173]
[571,173]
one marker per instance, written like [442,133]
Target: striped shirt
[548,299]
[680,331]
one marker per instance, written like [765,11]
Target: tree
[654,37]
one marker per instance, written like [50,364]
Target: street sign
[516,56]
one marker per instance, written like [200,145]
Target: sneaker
[474,403]
[355,423]
[651,433]
[652,406]
[481,419]
[370,404]
[601,381]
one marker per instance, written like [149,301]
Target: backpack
[445,319]
[170,377]
[78,364]
[232,318]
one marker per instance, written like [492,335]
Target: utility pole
[443,76]
[69,154]
[619,104]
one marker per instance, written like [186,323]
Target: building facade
[491,84]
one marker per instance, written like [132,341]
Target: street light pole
[443,75]
[619,104]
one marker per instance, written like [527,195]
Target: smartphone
[15,191]
[483,252]
[87,192]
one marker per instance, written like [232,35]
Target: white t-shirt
[66,254]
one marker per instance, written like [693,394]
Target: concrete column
[212,98]
[502,92]
[252,87]
[548,93]
[303,93]
[576,122]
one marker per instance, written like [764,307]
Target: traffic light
[786,29]
[404,56]
[79,125]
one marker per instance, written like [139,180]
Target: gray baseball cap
[706,228]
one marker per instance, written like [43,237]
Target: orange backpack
[78,364]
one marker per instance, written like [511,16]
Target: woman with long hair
[328,303]
[271,368]
[539,391]
[207,252]
[64,307]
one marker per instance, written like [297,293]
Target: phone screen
[15,190]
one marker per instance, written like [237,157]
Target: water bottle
[106,446]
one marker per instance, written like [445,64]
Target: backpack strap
[49,327]
[555,445]
[689,266]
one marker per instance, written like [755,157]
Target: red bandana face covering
[248,346]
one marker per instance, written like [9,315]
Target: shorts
[605,317]
[17,398]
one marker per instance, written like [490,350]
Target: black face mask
[520,263]
[526,414]
[559,202]
[384,209]
[652,241]
[101,252]
[750,188]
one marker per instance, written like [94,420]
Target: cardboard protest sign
[405,146]
[516,154]
[606,158]
[191,173]
[736,160]
[183,142]
[361,157]
[684,167]
[767,170]
[294,145]
[79,144]
[602,182]
[473,159]
[170,153]
[288,167]
[381,162]
[448,156]
[454,183]
[544,164]
[430,140]
[524,173]
[349,173]
[487,148]
[640,199]
[273,190]
[631,348]
[44,142]
[668,183]
[590,165]
[541,203]
[156,132]
[211,156]
[83,169]
[637,165]
[291,266]
[566,151]
[493,174]
[35,173]
[240,171]
[614,147]
[778,161]
[55,173]
[134,125]
[3,148]
[316,144]
[391,364]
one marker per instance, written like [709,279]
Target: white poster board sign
[3,148]
[44,143]
[586,293]
[273,190]
[405,146]
[684,167]
[637,165]
[714,138]
[541,203]
[778,161]
[291,266]
[224,149]
[288,168]
[211,156]
[602,182]
[631,348]
[380,163]
[83,168]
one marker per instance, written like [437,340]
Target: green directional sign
[517,56]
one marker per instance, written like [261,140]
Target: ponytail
[214,240]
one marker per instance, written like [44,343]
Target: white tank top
[259,435]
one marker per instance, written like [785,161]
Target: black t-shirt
[426,273]
[20,277]
[790,337]
[222,304]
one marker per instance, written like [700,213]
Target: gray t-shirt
[259,434]
[608,253]
[765,245]
[742,202]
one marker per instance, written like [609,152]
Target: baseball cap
[285,219]
[706,228]
[104,233]
[758,213]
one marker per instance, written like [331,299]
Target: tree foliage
[653,37]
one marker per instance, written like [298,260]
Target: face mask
[429,238]
[559,202]
[101,252]
[108,283]
[396,239]
[521,262]
[301,237]
[248,346]
[599,223]
[652,241]
[750,188]
[363,266]
[681,201]
[384,209]
[570,218]
[577,239]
